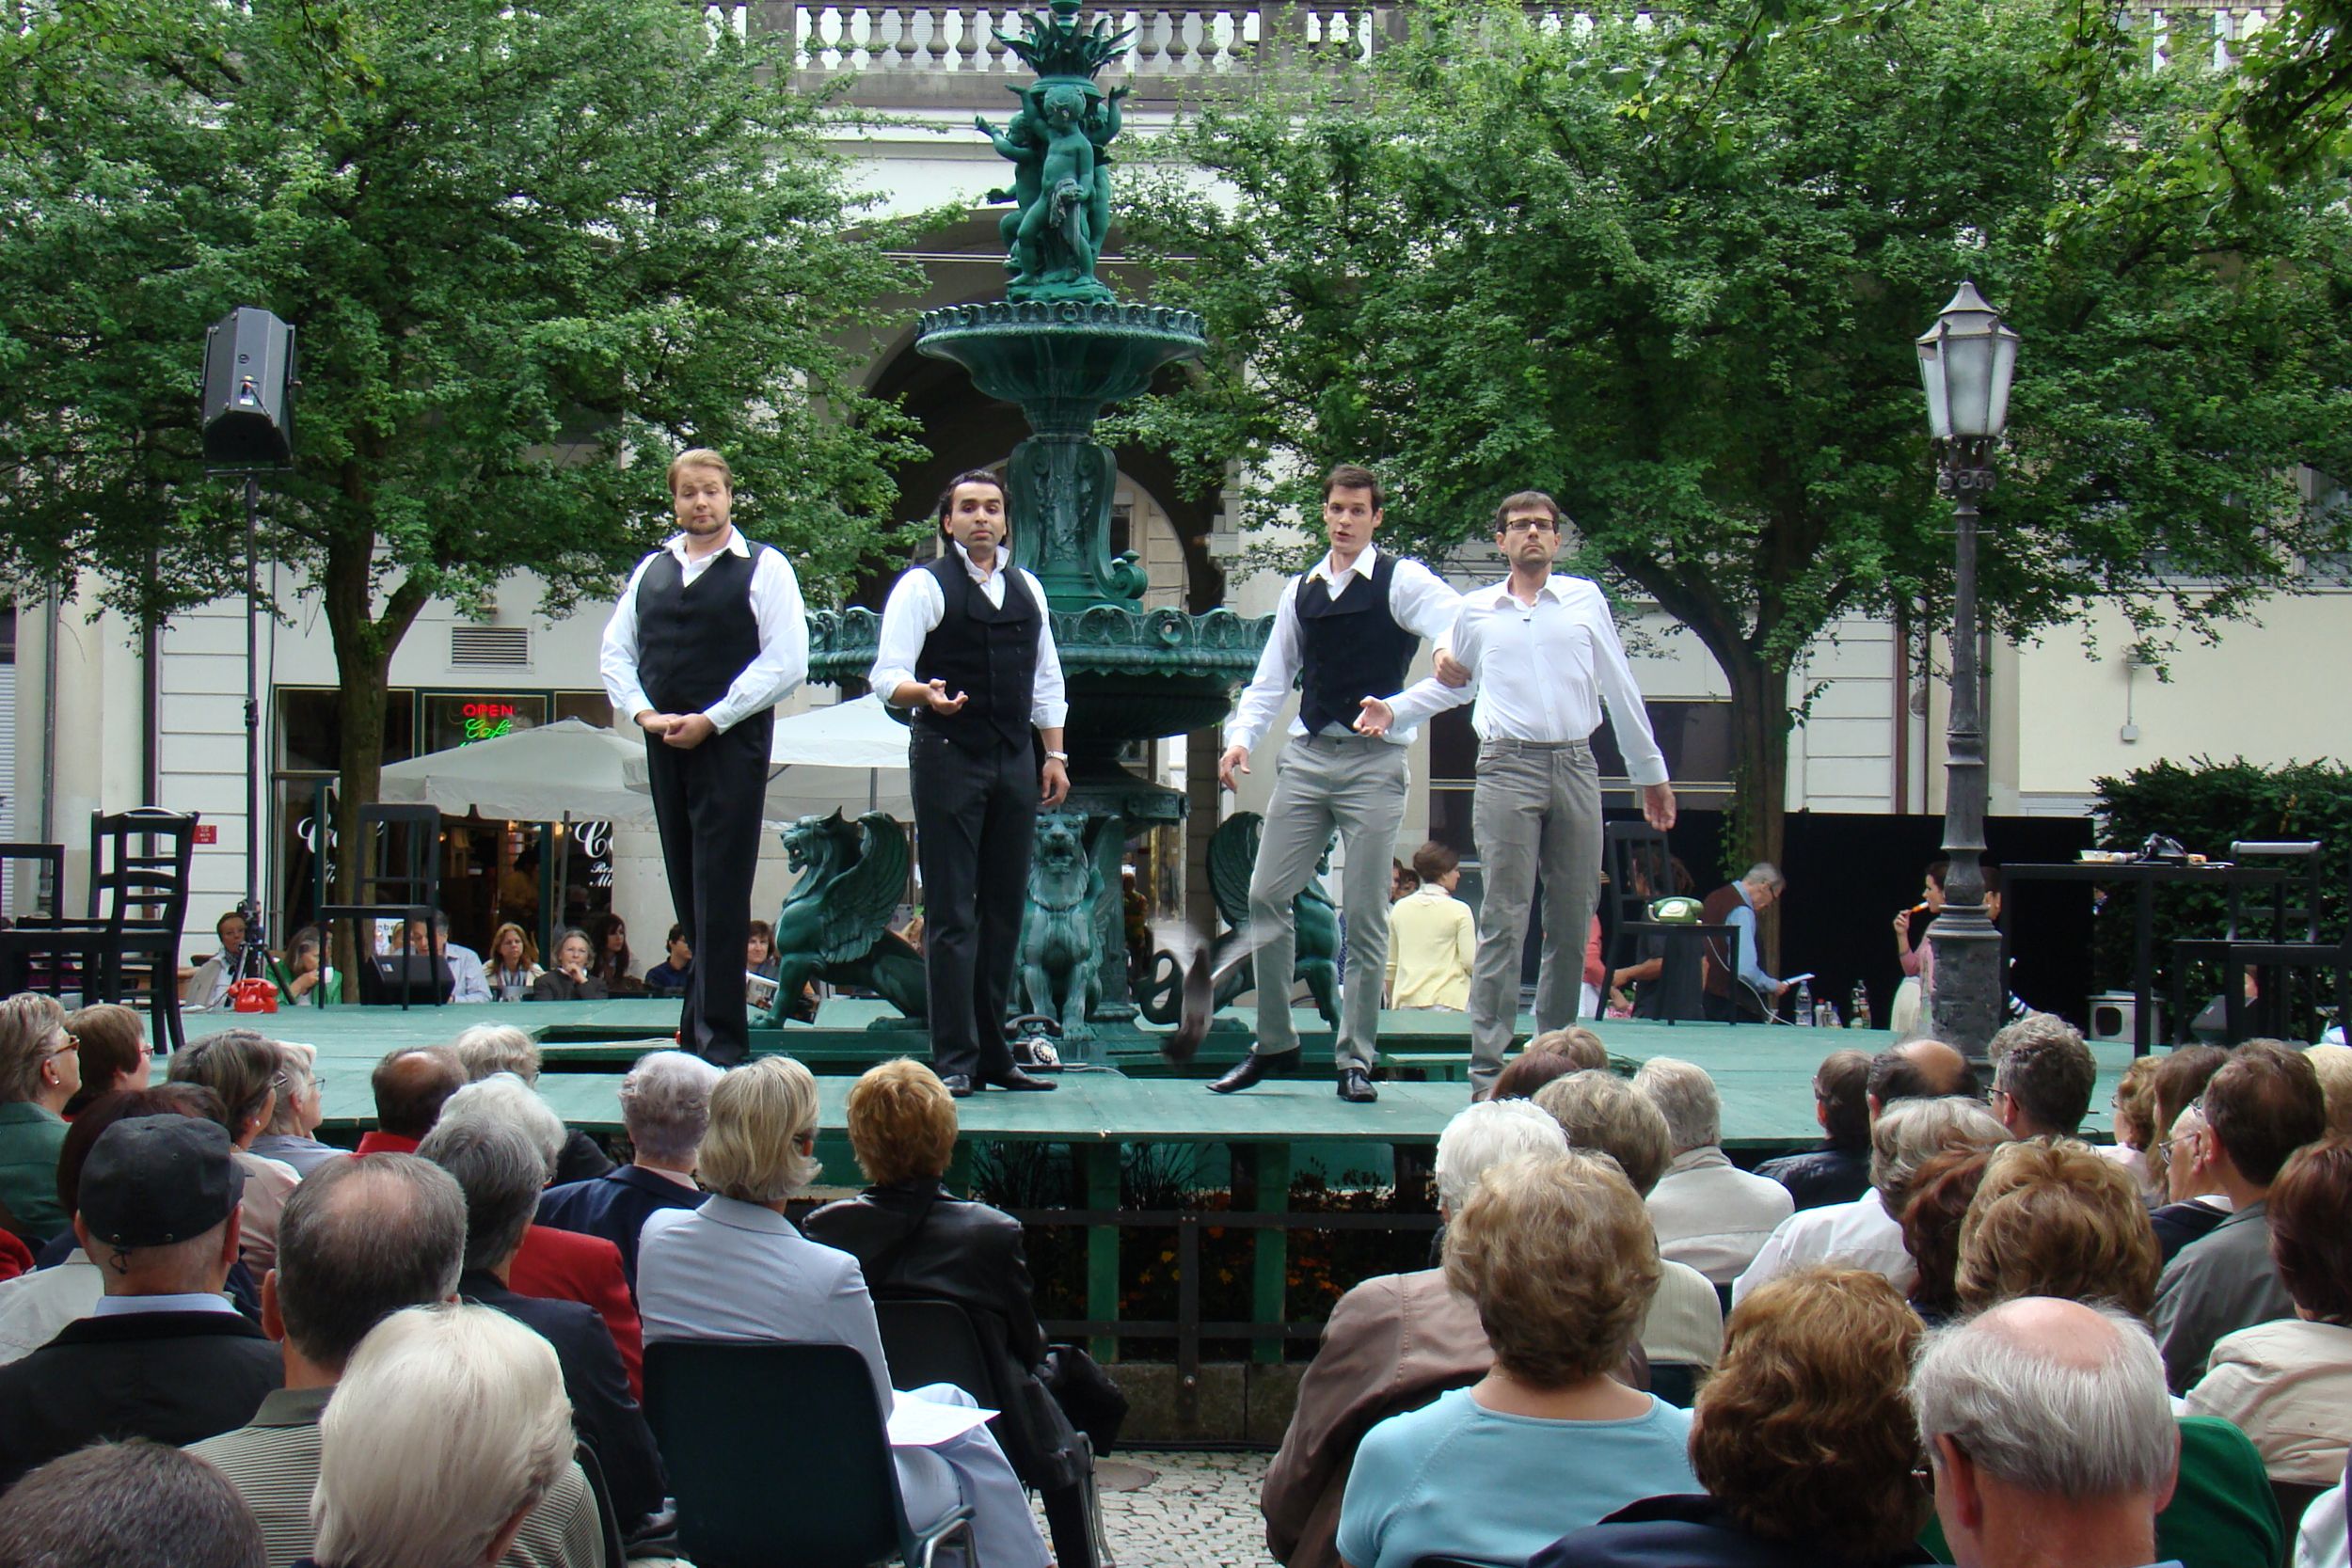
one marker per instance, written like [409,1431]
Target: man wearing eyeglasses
[1542,654]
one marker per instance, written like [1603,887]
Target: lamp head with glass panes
[1967,362]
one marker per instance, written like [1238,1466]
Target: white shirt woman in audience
[736,1269]
[1558,1255]
[292,1135]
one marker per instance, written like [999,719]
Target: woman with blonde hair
[41,1072]
[512,967]
[1558,1255]
[735,1269]
[1804,1439]
[247,1072]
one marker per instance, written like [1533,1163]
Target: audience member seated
[244,1068]
[1710,1213]
[460,962]
[1940,1193]
[40,1072]
[572,979]
[666,1105]
[735,1269]
[2192,1200]
[2288,1385]
[759,951]
[117,1504]
[2135,1131]
[2043,1077]
[2262,1106]
[1865,1233]
[2051,1218]
[291,1138]
[669,977]
[164,1355]
[111,1049]
[1556,1253]
[305,975]
[1393,1343]
[1431,937]
[2054,1220]
[208,987]
[1839,1170]
[357,1242]
[501,1171]
[2049,1436]
[607,938]
[410,1084]
[1804,1439]
[453,1407]
[1601,1112]
[2333,1063]
[1524,1075]
[512,968]
[489,1048]
[557,1265]
[912,1237]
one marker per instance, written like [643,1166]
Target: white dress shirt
[35,1306]
[1861,1235]
[781,664]
[1541,672]
[1418,601]
[1712,1216]
[914,610]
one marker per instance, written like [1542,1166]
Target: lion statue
[1061,943]
[1233,851]
[835,925]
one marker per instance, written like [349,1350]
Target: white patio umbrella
[851,756]
[567,770]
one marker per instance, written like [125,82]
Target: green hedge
[2207,806]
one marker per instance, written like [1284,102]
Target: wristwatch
[1058,756]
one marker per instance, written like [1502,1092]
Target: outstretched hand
[935,696]
[1375,719]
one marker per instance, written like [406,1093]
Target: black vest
[988,652]
[693,639]
[1352,647]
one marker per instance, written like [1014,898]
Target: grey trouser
[1538,804]
[1356,785]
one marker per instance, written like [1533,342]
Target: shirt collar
[1361,566]
[1498,597]
[192,1301]
[996,562]
[675,545]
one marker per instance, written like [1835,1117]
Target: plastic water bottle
[1801,1014]
[1858,1010]
[1825,1014]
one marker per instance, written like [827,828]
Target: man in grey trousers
[1343,632]
[1542,654]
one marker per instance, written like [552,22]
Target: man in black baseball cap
[164,1354]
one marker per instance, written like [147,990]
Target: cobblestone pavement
[1196,1510]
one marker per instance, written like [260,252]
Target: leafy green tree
[532,249]
[1500,262]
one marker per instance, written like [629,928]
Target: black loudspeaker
[248,391]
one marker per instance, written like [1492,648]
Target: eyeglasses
[72,1042]
[1531,525]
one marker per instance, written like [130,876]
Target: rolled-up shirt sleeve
[617,660]
[911,613]
[782,662]
[1049,703]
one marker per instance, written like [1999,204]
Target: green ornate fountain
[1062,346]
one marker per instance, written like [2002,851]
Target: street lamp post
[1966,360]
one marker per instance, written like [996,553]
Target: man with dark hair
[1431,936]
[967,646]
[1839,1170]
[709,635]
[2261,1108]
[1541,653]
[501,1173]
[114,1504]
[360,1240]
[1343,632]
[2043,1077]
[410,1084]
[164,1354]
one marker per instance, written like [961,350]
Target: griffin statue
[1233,851]
[835,925]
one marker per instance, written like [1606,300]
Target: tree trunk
[1757,827]
[364,644]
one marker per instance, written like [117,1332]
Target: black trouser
[706,801]
[975,820]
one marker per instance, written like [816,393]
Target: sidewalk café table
[2144,876]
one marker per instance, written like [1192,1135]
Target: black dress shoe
[1355,1086]
[1013,1078]
[1254,1068]
[958,1085]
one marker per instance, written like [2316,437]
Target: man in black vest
[967,646]
[709,635]
[1349,625]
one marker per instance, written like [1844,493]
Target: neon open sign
[487,720]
